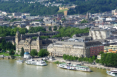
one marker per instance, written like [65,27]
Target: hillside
[83,6]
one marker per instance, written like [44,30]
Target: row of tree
[9,31]
[41,53]
[73,58]
[63,31]
[108,59]
[70,58]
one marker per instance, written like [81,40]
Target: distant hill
[34,8]
[93,6]
[83,6]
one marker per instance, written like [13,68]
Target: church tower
[17,36]
[87,16]
[39,42]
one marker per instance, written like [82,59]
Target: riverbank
[99,66]
[9,57]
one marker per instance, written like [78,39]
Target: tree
[11,52]
[60,27]
[84,21]
[64,56]
[34,38]
[97,61]
[93,57]
[43,52]
[50,28]
[33,52]
[101,52]
[22,52]
[55,28]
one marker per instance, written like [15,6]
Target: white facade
[110,19]
[99,33]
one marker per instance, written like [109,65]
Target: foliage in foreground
[43,52]
[33,52]
[57,62]
[22,52]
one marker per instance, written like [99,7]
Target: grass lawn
[62,10]
[5,54]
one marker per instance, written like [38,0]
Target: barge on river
[70,66]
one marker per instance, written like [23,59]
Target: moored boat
[112,72]
[20,61]
[74,67]
[36,62]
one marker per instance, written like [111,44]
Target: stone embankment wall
[100,66]
[8,57]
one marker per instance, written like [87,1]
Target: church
[27,43]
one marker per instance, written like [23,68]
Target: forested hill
[83,6]
[34,8]
[93,6]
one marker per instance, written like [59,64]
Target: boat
[70,66]
[36,62]
[20,61]
[112,72]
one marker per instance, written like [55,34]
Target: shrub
[33,52]
[43,52]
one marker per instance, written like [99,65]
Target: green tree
[33,52]
[93,57]
[84,21]
[22,52]
[101,52]
[11,52]
[60,27]
[43,52]
[50,28]
[64,56]
[34,38]
[97,61]
[55,28]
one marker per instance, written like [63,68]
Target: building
[77,48]
[114,12]
[62,8]
[27,55]
[65,13]
[99,33]
[28,44]
[99,57]
[110,49]
[17,15]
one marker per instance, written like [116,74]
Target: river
[10,68]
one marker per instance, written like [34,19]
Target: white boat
[36,62]
[83,68]
[20,61]
[112,72]
[70,66]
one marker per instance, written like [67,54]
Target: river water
[10,68]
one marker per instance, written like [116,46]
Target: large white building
[84,47]
[99,33]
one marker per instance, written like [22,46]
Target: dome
[26,53]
